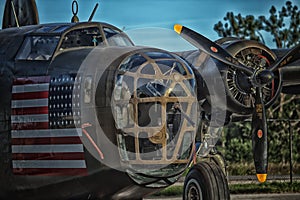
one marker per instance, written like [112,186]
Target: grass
[175,190]
[269,187]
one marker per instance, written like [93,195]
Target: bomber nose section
[142,105]
[155,111]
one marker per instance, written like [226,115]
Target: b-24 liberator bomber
[86,114]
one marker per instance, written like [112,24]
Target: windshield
[38,48]
[84,37]
[116,38]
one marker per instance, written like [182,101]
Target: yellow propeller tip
[177,28]
[261,177]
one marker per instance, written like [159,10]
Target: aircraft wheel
[205,181]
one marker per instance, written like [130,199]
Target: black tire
[206,181]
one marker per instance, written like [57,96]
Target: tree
[282,25]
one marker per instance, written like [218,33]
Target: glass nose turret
[155,110]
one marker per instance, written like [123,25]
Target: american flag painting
[45,140]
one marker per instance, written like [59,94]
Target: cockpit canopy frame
[48,40]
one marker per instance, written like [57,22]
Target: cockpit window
[110,32]
[116,38]
[38,47]
[82,38]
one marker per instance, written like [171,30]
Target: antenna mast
[93,12]
[15,14]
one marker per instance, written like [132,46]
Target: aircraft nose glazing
[154,107]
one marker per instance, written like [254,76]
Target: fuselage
[63,130]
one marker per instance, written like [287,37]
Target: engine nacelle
[237,86]
[255,55]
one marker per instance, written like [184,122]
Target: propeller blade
[260,78]
[210,47]
[259,137]
[291,56]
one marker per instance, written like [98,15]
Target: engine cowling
[226,89]
[240,93]
[238,97]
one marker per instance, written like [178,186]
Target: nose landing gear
[205,181]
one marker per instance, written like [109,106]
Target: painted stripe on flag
[29,103]
[50,171]
[30,95]
[30,126]
[49,164]
[49,156]
[50,140]
[77,132]
[29,118]
[30,110]
[40,87]
[59,148]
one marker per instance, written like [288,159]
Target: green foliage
[238,146]
[241,169]
[285,114]
[283,118]
[247,168]
[282,24]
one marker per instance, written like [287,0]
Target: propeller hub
[262,77]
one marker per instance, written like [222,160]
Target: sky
[151,21]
